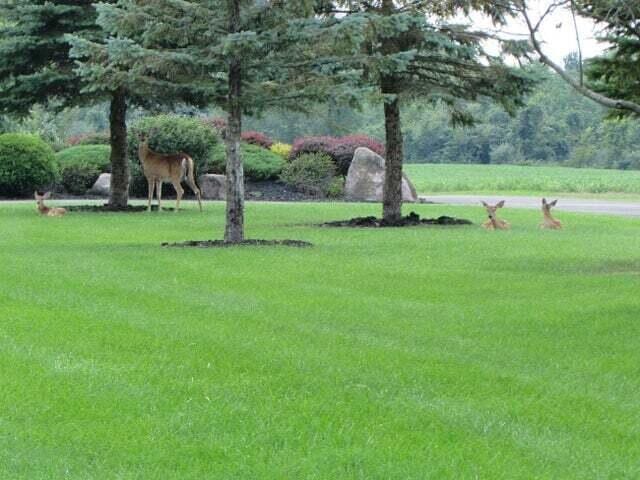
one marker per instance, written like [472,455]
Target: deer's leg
[192,184]
[159,194]
[151,187]
[179,193]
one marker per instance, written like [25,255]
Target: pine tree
[405,53]
[240,55]
[36,68]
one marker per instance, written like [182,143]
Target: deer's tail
[191,181]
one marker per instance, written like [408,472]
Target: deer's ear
[554,203]
[46,195]
[36,196]
[500,204]
[484,203]
[544,201]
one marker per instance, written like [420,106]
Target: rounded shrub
[26,164]
[259,163]
[80,166]
[282,149]
[257,138]
[312,173]
[171,134]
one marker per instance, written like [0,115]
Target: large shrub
[171,134]
[312,173]
[80,166]
[339,149]
[259,163]
[26,164]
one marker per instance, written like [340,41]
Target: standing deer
[158,167]
[494,223]
[548,220]
[48,211]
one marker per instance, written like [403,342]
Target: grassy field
[513,179]
[391,354]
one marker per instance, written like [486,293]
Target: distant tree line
[557,126]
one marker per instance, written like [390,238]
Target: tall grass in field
[433,178]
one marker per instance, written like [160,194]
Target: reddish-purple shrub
[340,149]
[216,123]
[257,138]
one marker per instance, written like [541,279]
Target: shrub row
[310,165]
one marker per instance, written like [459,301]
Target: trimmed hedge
[80,166]
[27,163]
[312,173]
[340,149]
[171,134]
[259,163]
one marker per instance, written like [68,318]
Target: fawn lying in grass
[48,211]
[494,223]
[548,220]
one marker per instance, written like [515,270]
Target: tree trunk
[119,189]
[392,190]
[234,228]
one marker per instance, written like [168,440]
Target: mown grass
[410,354]
[434,178]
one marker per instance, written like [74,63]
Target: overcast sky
[558,33]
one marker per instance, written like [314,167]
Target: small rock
[213,187]
[102,185]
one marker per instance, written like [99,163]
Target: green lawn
[512,179]
[390,354]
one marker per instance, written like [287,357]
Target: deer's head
[546,206]
[41,198]
[491,209]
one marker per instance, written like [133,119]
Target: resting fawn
[48,211]
[548,220]
[494,223]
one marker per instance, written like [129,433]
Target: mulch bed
[106,208]
[245,243]
[411,220]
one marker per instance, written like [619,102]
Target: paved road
[609,207]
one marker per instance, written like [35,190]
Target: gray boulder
[365,179]
[213,187]
[101,186]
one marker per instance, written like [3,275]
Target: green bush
[170,134]
[80,166]
[259,163]
[313,173]
[26,164]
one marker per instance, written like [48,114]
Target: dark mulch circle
[106,208]
[411,220]
[251,242]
